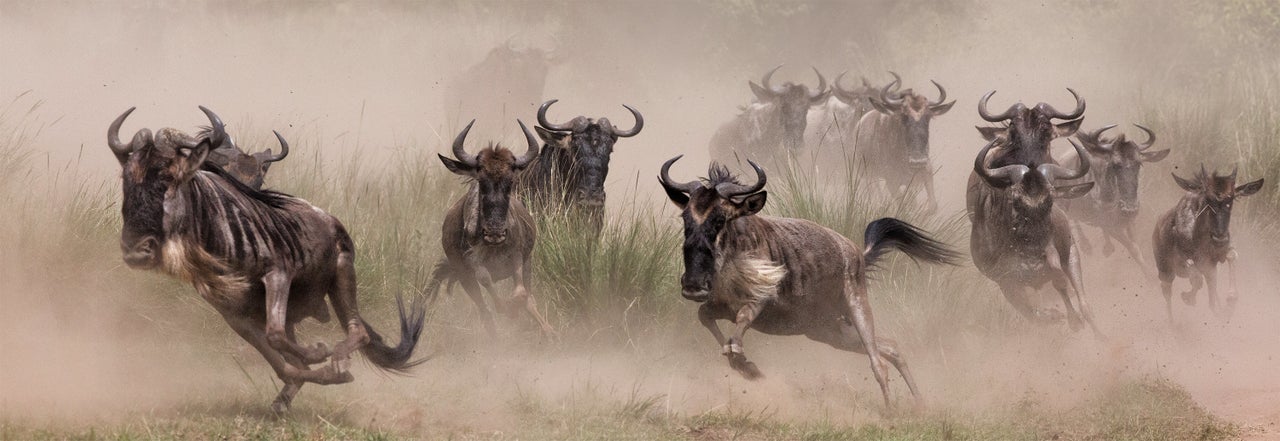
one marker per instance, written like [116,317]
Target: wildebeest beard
[591,150]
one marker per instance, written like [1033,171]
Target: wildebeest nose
[495,237]
[141,254]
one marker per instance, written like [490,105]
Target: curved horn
[1234,170]
[542,118]
[942,94]
[1151,138]
[885,92]
[530,154]
[729,190]
[1078,112]
[764,82]
[1094,138]
[459,151]
[634,130]
[284,149]
[982,110]
[822,85]
[120,149]
[836,85]
[664,176]
[1001,177]
[218,132]
[1055,171]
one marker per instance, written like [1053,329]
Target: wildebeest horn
[885,92]
[1151,138]
[1054,171]
[982,110]
[1234,170]
[729,190]
[542,118]
[942,95]
[1078,112]
[836,85]
[284,149]
[634,130]
[532,153]
[822,86]
[1001,177]
[764,81]
[122,150]
[1094,138]
[459,149]
[218,130]
[664,176]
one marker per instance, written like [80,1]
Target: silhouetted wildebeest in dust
[773,127]
[249,168]
[830,127]
[785,276]
[507,83]
[1195,236]
[264,260]
[893,141]
[488,235]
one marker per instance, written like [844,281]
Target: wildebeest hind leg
[289,369]
[850,340]
[343,298]
[860,313]
[278,330]
[317,353]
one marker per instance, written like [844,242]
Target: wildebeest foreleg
[1166,287]
[1189,296]
[472,288]
[1016,293]
[929,194]
[524,278]
[1210,272]
[1060,284]
[707,316]
[343,298]
[1233,294]
[1085,245]
[277,285]
[733,349]
[1130,243]
[860,313]
[1069,261]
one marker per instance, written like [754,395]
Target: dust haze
[369,79]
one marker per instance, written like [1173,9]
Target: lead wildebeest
[264,260]
[249,168]
[488,235]
[1112,205]
[1195,236]
[1010,201]
[570,170]
[772,127]
[785,276]
[893,141]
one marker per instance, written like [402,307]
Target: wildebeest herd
[194,208]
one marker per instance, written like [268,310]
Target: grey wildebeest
[1195,236]
[488,235]
[773,127]
[249,168]
[785,276]
[1112,205]
[570,170]
[830,127]
[264,260]
[893,141]
[506,83]
[1015,225]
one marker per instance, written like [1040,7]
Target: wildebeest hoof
[318,353]
[330,375]
[279,408]
[1189,297]
[745,367]
[340,364]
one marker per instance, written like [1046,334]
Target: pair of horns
[895,100]
[460,151]
[766,83]
[217,135]
[1096,138]
[579,122]
[1012,174]
[1015,109]
[726,190]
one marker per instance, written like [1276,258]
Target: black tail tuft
[888,233]
[396,359]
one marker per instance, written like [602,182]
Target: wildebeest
[1113,203]
[508,82]
[830,126]
[785,276]
[250,169]
[1025,133]
[570,170]
[1195,236]
[264,260]
[488,235]
[773,126]
[893,141]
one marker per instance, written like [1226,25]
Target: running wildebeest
[508,82]
[264,260]
[1195,236]
[488,235]
[774,125]
[830,126]
[1112,205]
[893,141]
[250,169]
[570,170]
[785,276]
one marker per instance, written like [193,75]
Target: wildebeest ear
[880,106]
[1155,156]
[752,204]
[761,93]
[193,157]
[1067,128]
[553,138]
[1248,189]
[1191,186]
[455,166]
[1072,191]
[991,133]
[942,108]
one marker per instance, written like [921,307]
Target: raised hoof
[1189,297]
[318,353]
[329,375]
[340,364]
[745,367]
[279,408]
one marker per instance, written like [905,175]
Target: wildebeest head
[859,98]
[1032,190]
[1121,161]
[1217,193]
[588,142]
[249,168]
[1027,131]
[494,170]
[914,112]
[707,208]
[793,102]
[153,168]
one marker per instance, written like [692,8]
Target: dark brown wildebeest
[785,276]
[830,127]
[772,127]
[264,260]
[570,170]
[1195,236]
[250,169]
[893,141]
[1112,205]
[488,235]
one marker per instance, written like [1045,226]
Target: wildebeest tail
[397,358]
[888,233]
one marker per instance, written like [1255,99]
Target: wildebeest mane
[272,198]
[718,174]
